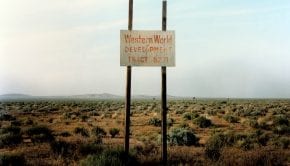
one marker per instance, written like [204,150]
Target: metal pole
[128,88]
[164,93]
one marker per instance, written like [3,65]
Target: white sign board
[147,48]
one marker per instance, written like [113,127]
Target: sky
[224,48]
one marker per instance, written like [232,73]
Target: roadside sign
[147,48]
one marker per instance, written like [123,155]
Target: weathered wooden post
[128,88]
[147,48]
[164,93]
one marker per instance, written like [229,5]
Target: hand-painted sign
[147,48]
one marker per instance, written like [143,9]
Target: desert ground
[91,132]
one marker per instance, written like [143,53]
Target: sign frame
[147,48]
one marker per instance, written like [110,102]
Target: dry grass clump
[200,131]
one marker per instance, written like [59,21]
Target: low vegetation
[200,132]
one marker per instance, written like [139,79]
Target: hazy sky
[224,48]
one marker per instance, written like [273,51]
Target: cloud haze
[225,49]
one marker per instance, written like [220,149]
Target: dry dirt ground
[252,131]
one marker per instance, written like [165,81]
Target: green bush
[202,122]
[253,123]
[263,139]
[10,136]
[40,134]
[282,142]
[28,122]
[94,113]
[62,148]
[90,148]
[182,136]
[186,116]
[99,132]
[114,131]
[281,120]
[82,131]
[214,146]
[6,117]
[231,118]
[184,125]
[84,118]
[12,160]
[170,122]
[16,123]
[281,129]
[65,134]
[9,139]
[10,129]
[109,157]
[246,143]
[189,116]
[155,122]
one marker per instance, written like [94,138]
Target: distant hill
[102,96]
[96,96]
[15,96]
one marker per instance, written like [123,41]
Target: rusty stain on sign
[147,48]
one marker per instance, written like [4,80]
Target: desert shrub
[182,136]
[9,139]
[98,140]
[62,148]
[50,120]
[202,122]
[212,112]
[281,120]
[282,142]
[190,116]
[281,129]
[65,134]
[98,131]
[257,113]
[253,123]
[155,122]
[257,157]
[186,116]
[10,129]
[84,118]
[170,122]
[263,125]
[184,125]
[90,148]
[40,134]
[214,146]
[231,118]
[82,131]
[114,131]
[229,138]
[12,160]
[146,148]
[10,136]
[94,113]
[246,143]
[15,123]
[179,112]
[28,122]
[263,139]
[115,157]
[66,115]
[6,117]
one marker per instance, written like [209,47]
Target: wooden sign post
[164,93]
[147,48]
[128,87]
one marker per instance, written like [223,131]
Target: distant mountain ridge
[84,96]
[14,96]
